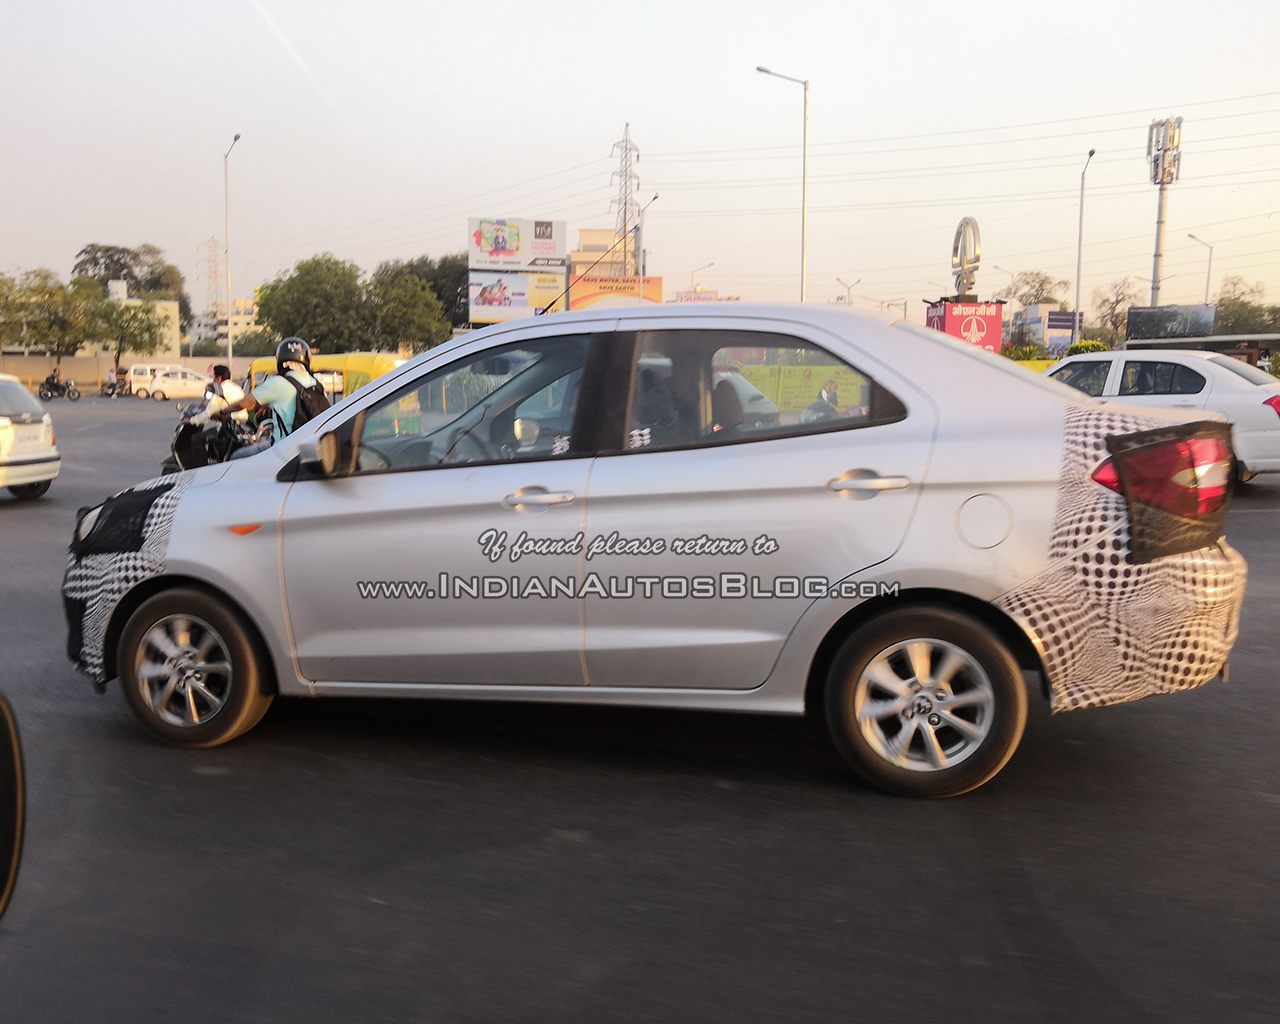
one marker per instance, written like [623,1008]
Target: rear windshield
[1241,369]
[15,400]
[1000,363]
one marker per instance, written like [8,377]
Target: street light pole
[848,290]
[804,181]
[697,270]
[1078,317]
[1209,271]
[226,198]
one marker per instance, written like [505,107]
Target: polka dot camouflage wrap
[94,583]
[1109,631]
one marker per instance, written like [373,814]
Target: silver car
[904,536]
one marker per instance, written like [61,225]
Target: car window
[1242,369]
[15,400]
[1149,377]
[514,403]
[1087,375]
[707,387]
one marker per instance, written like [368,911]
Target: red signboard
[978,323]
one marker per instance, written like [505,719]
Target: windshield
[1242,369]
[15,400]
[999,363]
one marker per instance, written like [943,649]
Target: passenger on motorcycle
[291,396]
[223,393]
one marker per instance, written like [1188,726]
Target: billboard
[516,243]
[1057,331]
[1169,322]
[496,296]
[978,323]
[599,290]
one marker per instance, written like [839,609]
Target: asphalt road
[392,861]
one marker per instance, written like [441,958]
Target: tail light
[1274,402]
[1177,483]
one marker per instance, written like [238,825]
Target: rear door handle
[870,484]
[539,497]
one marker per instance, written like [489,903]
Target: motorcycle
[109,390]
[59,389]
[193,446]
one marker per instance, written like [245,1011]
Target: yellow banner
[598,290]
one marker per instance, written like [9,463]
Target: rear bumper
[30,471]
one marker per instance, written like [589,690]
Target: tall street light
[1208,271]
[697,270]
[226,198]
[804,184]
[848,290]
[1078,316]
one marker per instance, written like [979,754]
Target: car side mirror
[318,456]
[12,803]
[179,407]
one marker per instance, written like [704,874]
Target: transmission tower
[628,209]
[211,271]
[1164,154]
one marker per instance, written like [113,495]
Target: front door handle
[873,484]
[532,496]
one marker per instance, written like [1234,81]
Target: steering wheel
[468,448]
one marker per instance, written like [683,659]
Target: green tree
[1032,286]
[144,270]
[1111,303]
[1080,348]
[130,328]
[212,348]
[404,310]
[45,315]
[321,301]
[258,342]
[447,277]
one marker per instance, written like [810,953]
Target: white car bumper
[29,470]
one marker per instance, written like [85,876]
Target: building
[593,243]
[212,323]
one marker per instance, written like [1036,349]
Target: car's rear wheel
[190,669]
[141,393]
[159,396]
[925,701]
[29,492]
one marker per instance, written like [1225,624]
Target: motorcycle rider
[279,394]
[224,392]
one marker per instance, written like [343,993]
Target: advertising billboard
[1057,331]
[496,296]
[978,323]
[1169,322]
[599,290]
[516,243]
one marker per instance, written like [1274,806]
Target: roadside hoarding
[1144,322]
[1057,331]
[496,296]
[978,323]
[603,291]
[516,243]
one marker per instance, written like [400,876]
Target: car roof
[1195,353]
[9,376]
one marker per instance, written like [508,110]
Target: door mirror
[179,407]
[318,456]
[12,803]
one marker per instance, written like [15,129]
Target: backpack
[311,402]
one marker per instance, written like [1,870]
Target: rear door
[722,517]
[1163,383]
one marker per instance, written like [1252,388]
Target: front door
[760,469]
[398,569]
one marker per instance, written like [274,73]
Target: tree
[144,270]
[447,277]
[1112,303]
[321,301]
[1080,348]
[43,314]
[1240,316]
[1236,287]
[404,310]
[257,342]
[130,328]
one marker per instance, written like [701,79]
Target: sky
[372,130]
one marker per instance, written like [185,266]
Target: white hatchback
[178,383]
[778,509]
[29,459]
[1249,398]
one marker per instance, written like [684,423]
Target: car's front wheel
[925,701]
[190,669]
[29,492]
[159,396]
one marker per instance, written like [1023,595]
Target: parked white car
[140,375]
[178,383]
[1248,397]
[579,508]
[29,459]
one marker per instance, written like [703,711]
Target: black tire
[241,688]
[986,692]
[29,492]
[73,394]
[45,394]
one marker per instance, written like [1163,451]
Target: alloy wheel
[183,670]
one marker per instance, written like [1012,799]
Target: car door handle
[864,484]
[1185,405]
[537,498]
